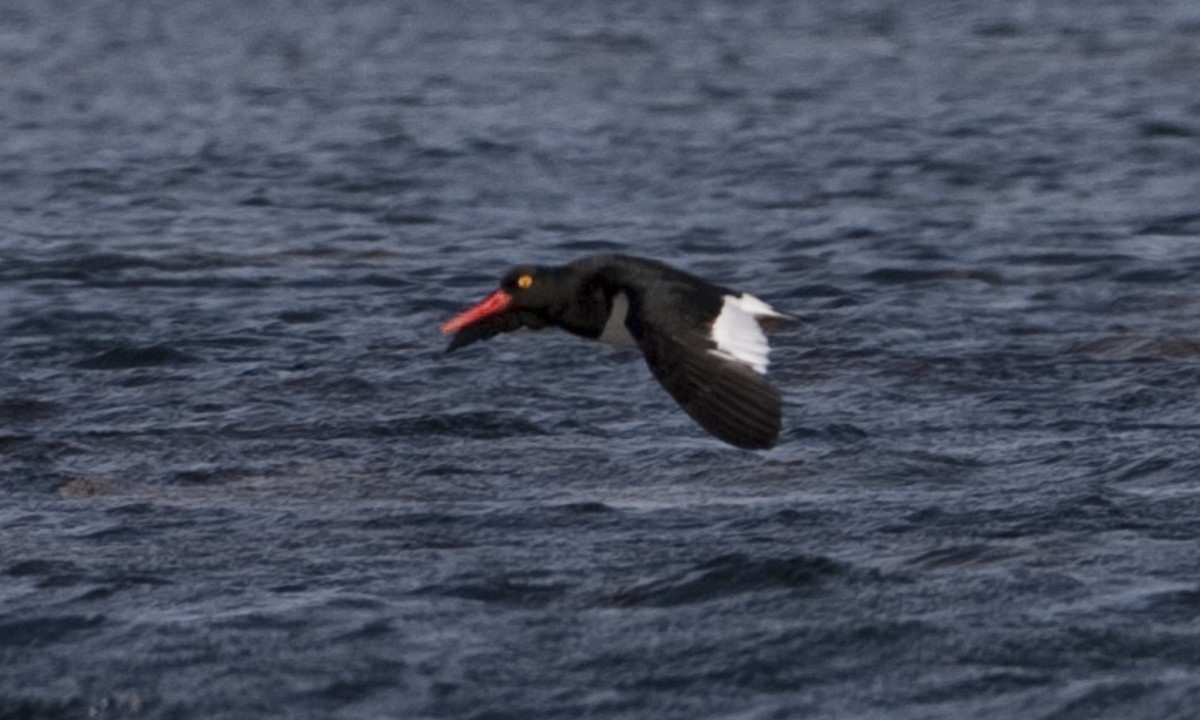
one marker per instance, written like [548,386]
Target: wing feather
[727,397]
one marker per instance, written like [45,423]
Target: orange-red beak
[491,305]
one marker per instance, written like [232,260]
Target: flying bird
[704,343]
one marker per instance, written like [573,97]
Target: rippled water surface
[240,479]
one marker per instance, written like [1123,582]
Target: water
[240,479]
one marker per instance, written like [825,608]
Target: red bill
[492,304]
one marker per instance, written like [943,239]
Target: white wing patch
[615,332]
[737,333]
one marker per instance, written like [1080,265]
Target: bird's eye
[524,281]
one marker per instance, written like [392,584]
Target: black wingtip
[750,418]
[730,400]
[760,441]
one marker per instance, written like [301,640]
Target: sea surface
[240,479]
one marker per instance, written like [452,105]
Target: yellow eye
[524,281]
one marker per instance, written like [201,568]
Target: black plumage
[670,315]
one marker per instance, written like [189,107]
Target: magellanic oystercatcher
[703,342]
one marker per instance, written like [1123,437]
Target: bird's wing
[722,391]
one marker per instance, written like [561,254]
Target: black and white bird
[704,343]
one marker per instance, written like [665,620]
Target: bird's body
[703,342]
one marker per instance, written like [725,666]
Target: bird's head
[526,298]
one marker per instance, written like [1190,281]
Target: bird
[703,342]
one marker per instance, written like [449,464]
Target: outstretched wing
[714,369]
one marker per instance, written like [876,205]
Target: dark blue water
[239,478]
